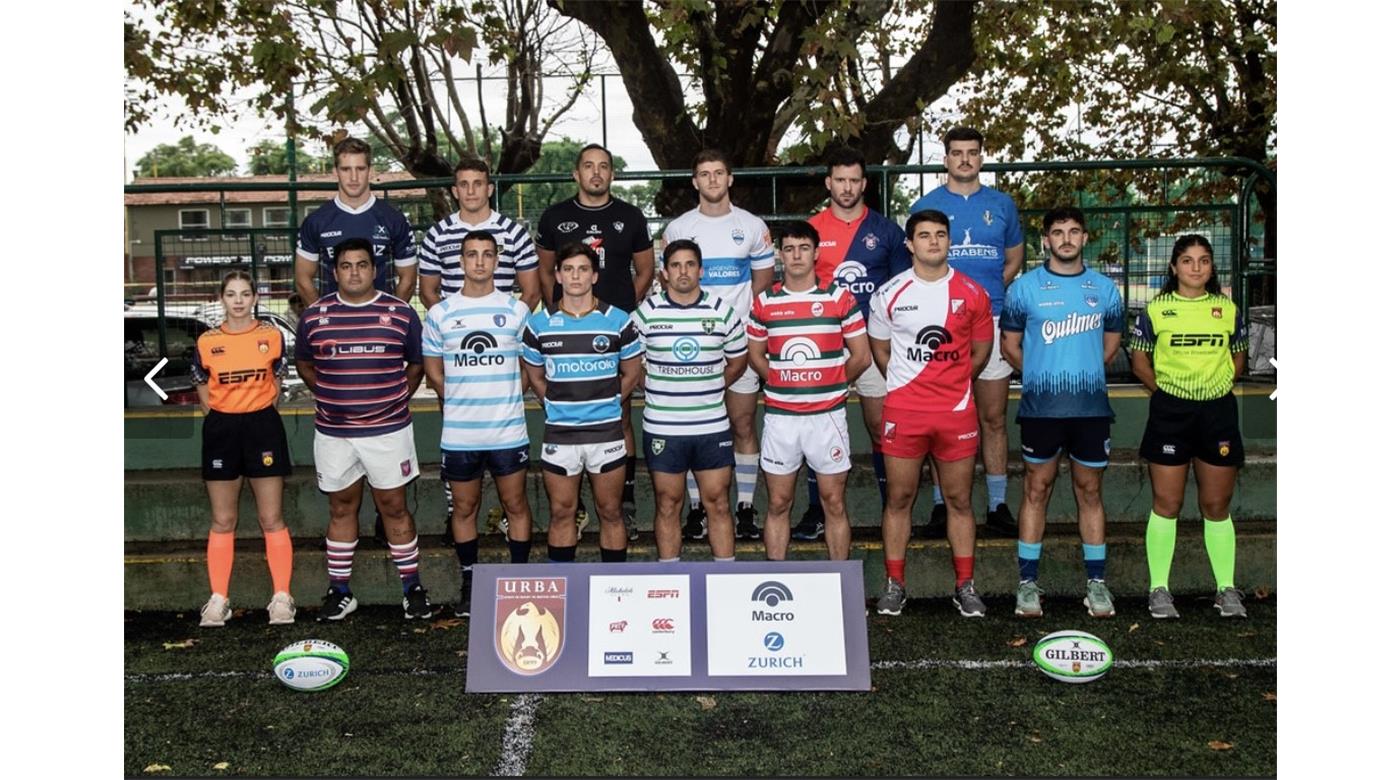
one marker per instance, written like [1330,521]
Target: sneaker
[336,605]
[812,525]
[496,521]
[1099,600]
[1001,523]
[1230,602]
[892,600]
[281,611]
[415,604]
[629,521]
[937,526]
[1028,600]
[581,519]
[696,524]
[1159,604]
[215,612]
[464,605]
[745,525]
[968,602]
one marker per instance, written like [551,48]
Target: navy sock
[613,556]
[1028,558]
[519,551]
[562,554]
[1095,560]
[814,496]
[629,484]
[466,554]
[877,461]
[937,495]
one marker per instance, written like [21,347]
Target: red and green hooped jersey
[806,336]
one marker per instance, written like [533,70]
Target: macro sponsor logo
[771,593]
[478,342]
[852,276]
[1197,340]
[927,346]
[242,375]
[799,350]
[1072,325]
[790,376]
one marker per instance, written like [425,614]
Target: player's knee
[1215,509]
[958,502]
[779,505]
[1037,489]
[1166,506]
[270,523]
[515,505]
[223,522]
[992,419]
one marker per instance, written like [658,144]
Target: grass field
[951,697]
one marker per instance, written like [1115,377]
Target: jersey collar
[366,206]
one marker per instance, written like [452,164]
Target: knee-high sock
[1095,560]
[746,475]
[814,496]
[1220,548]
[220,551]
[1161,546]
[1028,559]
[996,490]
[406,561]
[340,559]
[693,489]
[279,559]
[877,462]
[629,480]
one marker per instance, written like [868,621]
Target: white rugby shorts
[390,460]
[820,439]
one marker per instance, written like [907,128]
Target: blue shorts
[1086,439]
[679,454]
[468,465]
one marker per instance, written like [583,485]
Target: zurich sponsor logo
[773,641]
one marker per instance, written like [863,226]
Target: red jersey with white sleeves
[930,327]
[806,336]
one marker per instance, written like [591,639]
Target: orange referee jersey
[241,369]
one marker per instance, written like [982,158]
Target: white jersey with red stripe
[930,327]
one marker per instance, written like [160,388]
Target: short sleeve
[432,334]
[756,328]
[852,323]
[899,260]
[522,251]
[631,342]
[878,326]
[1013,235]
[761,254]
[735,345]
[1013,309]
[1239,340]
[982,327]
[413,346]
[545,234]
[1142,338]
[303,348]
[641,237]
[199,370]
[530,343]
[428,262]
[1114,318]
[308,243]
[638,321]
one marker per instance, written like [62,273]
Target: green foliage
[529,200]
[186,158]
[270,157]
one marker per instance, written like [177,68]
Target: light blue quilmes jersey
[479,341]
[982,226]
[732,247]
[582,358]
[1063,320]
[687,348]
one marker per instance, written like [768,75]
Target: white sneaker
[215,612]
[282,610]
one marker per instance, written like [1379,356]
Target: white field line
[519,735]
[921,663]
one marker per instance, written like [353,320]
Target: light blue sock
[996,490]
[1028,559]
[937,495]
[1095,560]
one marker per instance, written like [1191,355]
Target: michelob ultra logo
[530,622]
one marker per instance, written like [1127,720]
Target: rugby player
[861,249]
[986,245]
[1188,348]
[440,253]
[930,334]
[471,356]
[359,351]
[799,335]
[582,361]
[1060,325]
[617,232]
[738,265]
[695,347]
[237,370]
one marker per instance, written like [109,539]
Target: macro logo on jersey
[530,622]
[800,350]
[927,344]
[479,342]
[852,276]
[805,335]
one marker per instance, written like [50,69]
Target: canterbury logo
[478,341]
[771,593]
[933,337]
[799,351]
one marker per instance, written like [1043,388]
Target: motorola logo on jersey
[553,368]
[1198,340]
[1072,325]
[927,344]
[477,342]
[852,276]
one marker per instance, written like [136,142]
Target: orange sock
[220,562]
[279,559]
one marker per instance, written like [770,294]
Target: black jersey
[615,230]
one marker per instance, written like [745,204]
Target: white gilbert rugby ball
[311,665]
[1072,656]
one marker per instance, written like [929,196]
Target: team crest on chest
[1217,312]
[955,305]
[500,320]
[987,217]
[383,319]
[380,232]
[618,226]
[817,309]
[1092,300]
[263,346]
[737,235]
[871,241]
[708,326]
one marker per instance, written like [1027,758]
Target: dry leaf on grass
[446,623]
[420,630]
[183,644]
[1262,592]
[1035,738]
[1132,628]
[1216,744]
[706,702]
[1270,696]
[222,765]
[1019,641]
[156,768]
[461,653]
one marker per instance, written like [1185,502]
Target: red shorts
[947,436]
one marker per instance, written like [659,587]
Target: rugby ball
[1072,656]
[311,665]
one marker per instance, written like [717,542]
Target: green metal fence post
[160,295]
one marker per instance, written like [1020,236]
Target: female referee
[238,368]
[1188,348]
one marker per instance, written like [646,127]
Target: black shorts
[468,466]
[1086,439]
[1179,430]
[679,454]
[249,444]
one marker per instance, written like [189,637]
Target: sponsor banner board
[751,625]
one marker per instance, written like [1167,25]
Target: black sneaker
[1001,523]
[696,524]
[813,524]
[937,525]
[415,604]
[336,605]
[464,606]
[745,526]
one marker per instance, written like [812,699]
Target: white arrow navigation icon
[152,383]
[1274,395]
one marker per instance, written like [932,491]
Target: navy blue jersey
[385,227]
[859,255]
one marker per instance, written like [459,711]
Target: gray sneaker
[629,521]
[892,600]
[968,602]
[1230,602]
[1028,600]
[1159,603]
[1099,600]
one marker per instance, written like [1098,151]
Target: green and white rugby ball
[311,665]
[1073,656]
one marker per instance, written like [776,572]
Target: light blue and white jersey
[732,247]
[479,341]
[686,350]
[1062,320]
[582,359]
[440,253]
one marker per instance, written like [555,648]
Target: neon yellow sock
[1220,548]
[1161,546]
